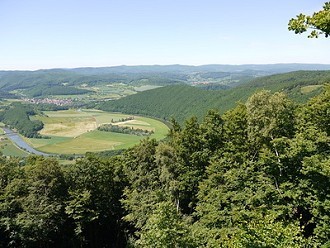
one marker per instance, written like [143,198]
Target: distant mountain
[205,76]
[14,80]
[267,68]
[183,101]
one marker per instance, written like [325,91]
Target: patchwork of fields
[75,131]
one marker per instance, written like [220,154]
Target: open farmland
[75,131]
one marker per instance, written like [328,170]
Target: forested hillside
[256,176]
[55,90]
[183,101]
[17,116]
[66,82]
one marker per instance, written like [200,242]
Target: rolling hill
[33,83]
[183,101]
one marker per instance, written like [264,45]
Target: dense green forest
[16,116]
[50,107]
[255,176]
[55,90]
[182,101]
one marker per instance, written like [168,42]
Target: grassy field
[7,148]
[75,131]
[309,88]
[109,91]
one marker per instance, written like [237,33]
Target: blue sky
[36,34]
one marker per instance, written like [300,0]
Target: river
[14,137]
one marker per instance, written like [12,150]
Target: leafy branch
[319,22]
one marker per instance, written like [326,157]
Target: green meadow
[75,131]
[9,149]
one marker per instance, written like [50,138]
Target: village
[58,102]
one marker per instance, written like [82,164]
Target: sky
[41,34]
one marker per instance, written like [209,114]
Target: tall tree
[165,229]
[33,205]
[93,204]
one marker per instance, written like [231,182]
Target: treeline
[256,176]
[38,91]
[51,107]
[124,129]
[7,95]
[123,119]
[16,116]
[182,101]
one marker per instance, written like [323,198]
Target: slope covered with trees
[184,101]
[17,116]
[256,176]
[55,90]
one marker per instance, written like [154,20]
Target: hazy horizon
[150,65]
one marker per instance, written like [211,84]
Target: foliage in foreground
[257,176]
[319,22]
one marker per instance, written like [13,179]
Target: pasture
[310,88]
[75,131]
[7,148]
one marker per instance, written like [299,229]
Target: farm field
[101,92]
[75,131]
[309,88]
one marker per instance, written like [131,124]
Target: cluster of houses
[59,102]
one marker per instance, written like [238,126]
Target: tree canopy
[256,176]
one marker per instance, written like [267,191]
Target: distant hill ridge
[274,68]
[222,76]
[43,83]
[183,101]
[107,73]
